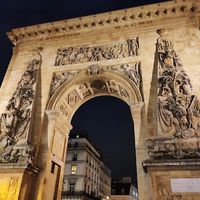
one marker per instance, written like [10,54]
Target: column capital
[136,105]
[58,119]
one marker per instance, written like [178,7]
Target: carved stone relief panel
[96,84]
[178,107]
[73,98]
[164,189]
[94,70]
[15,121]
[86,90]
[9,188]
[130,71]
[97,87]
[113,87]
[59,78]
[63,109]
[119,49]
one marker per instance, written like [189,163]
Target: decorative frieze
[178,107]
[16,120]
[74,55]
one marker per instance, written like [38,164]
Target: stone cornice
[170,163]
[132,16]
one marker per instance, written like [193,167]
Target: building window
[52,167]
[86,171]
[122,191]
[113,191]
[88,191]
[71,187]
[73,169]
[74,158]
[76,144]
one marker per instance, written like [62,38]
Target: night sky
[106,119]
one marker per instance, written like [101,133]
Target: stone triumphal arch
[146,56]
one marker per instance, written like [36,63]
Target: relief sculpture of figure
[14,122]
[120,49]
[132,73]
[133,46]
[94,70]
[175,90]
[59,78]
[9,121]
[178,108]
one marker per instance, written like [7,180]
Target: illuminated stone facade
[146,56]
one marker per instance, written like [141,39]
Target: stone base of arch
[174,179]
[16,182]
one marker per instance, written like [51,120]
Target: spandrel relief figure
[132,73]
[59,78]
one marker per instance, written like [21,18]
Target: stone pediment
[126,18]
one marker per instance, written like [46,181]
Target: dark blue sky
[106,119]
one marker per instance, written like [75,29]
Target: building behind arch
[86,175]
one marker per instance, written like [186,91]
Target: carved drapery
[178,107]
[16,120]
[74,55]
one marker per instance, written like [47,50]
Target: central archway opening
[107,124]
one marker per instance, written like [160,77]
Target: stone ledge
[13,166]
[170,163]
